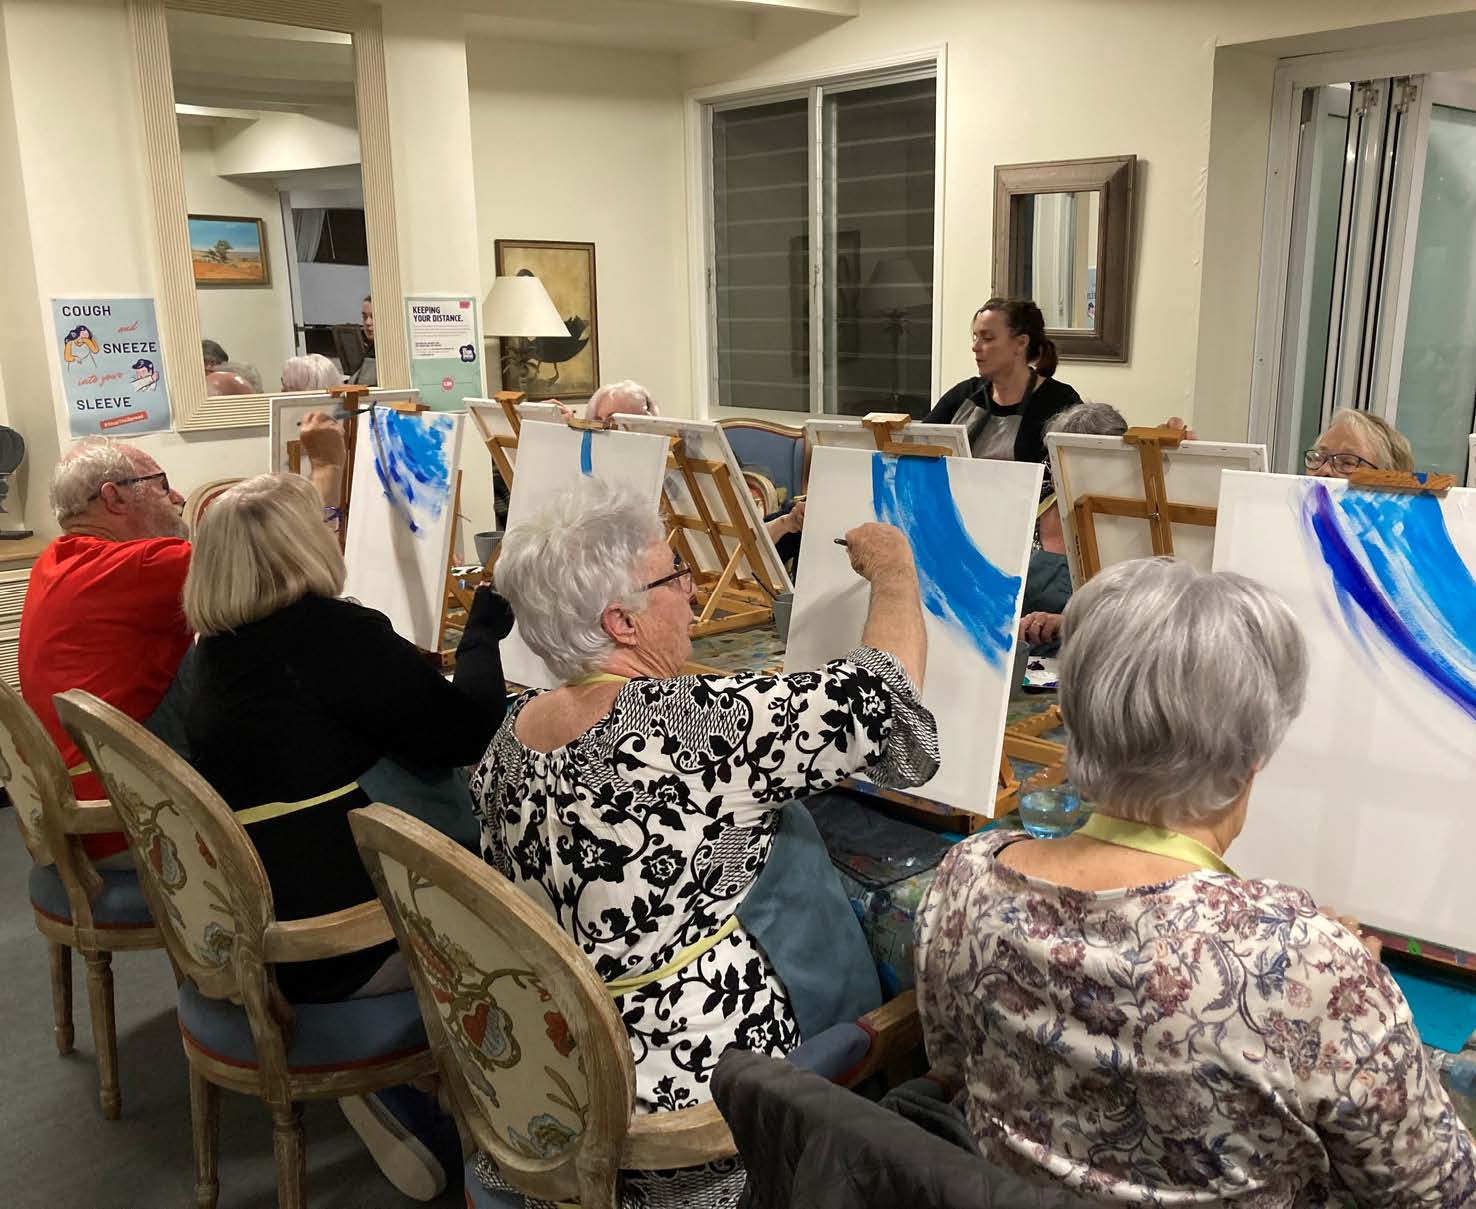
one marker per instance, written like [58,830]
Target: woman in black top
[1005,408]
[296,694]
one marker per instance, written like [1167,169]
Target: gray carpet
[57,1152]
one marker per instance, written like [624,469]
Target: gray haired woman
[640,805]
[1358,440]
[1127,1014]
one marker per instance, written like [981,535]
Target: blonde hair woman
[1358,440]
[295,695]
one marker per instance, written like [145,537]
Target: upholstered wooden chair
[202,497]
[97,912]
[775,450]
[529,1043]
[205,883]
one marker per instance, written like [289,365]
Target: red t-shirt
[104,616]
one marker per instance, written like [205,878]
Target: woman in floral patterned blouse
[638,805]
[1126,1014]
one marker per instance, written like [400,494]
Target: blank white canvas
[993,504]
[1368,803]
[1095,465]
[843,433]
[541,413]
[551,459]
[704,440]
[402,515]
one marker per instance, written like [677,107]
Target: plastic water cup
[1048,814]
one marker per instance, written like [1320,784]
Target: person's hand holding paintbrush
[880,555]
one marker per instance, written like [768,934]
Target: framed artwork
[228,251]
[554,367]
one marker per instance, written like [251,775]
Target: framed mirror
[1063,236]
[266,128]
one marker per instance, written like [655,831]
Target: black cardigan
[304,702]
[1048,397]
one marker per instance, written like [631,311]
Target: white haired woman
[295,695]
[639,805]
[1127,1014]
[313,372]
[1358,440]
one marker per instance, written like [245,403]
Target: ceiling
[233,63]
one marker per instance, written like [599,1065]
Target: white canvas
[1092,465]
[970,525]
[401,517]
[841,433]
[1368,802]
[551,459]
[704,440]
[287,413]
[541,413]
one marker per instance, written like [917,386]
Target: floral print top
[642,835]
[1205,1040]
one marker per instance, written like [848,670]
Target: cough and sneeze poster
[112,370]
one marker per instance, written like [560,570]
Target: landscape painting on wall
[228,251]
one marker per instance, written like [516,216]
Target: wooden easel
[1022,740]
[499,446]
[1155,507]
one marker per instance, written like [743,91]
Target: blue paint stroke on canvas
[586,454]
[1397,574]
[410,458]
[960,586]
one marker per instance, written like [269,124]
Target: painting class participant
[368,372]
[1006,406]
[640,807]
[102,609]
[1358,440]
[1177,1070]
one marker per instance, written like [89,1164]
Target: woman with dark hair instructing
[1005,408]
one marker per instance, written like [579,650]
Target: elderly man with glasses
[102,608]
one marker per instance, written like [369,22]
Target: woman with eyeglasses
[1358,440]
[642,807]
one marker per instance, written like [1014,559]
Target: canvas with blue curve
[412,462]
[1400,584]
[960,586]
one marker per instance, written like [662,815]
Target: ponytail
[1023,318]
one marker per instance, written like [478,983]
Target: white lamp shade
[896,285]
[520,306]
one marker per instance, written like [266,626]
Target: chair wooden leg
[205,1123]
[104,1030]
[61,996]
[287,1147]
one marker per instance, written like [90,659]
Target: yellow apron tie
[597,678]
[77,770]
[624,986]
[1045,505]
[275,810]
[1157,841]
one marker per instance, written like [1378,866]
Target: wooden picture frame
[567,271]
[1114,178]
[216,248]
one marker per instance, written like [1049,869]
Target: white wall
[1061,79]
[252,323]
[279,143]
[581,143]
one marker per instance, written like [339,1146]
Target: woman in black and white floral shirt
[639,805]
[1122,1010]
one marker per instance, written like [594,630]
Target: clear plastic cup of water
[1048,814]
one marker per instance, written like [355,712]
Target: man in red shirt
[102,608]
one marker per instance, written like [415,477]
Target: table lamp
[517,310]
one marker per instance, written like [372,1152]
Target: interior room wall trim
[178,315]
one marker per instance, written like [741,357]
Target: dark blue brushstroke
[410,460]
[586,455]
[959,585]
[1393,563]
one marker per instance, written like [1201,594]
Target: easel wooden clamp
[885,427]
[1155,507]
[1410,482]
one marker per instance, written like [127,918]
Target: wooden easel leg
[720,587]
